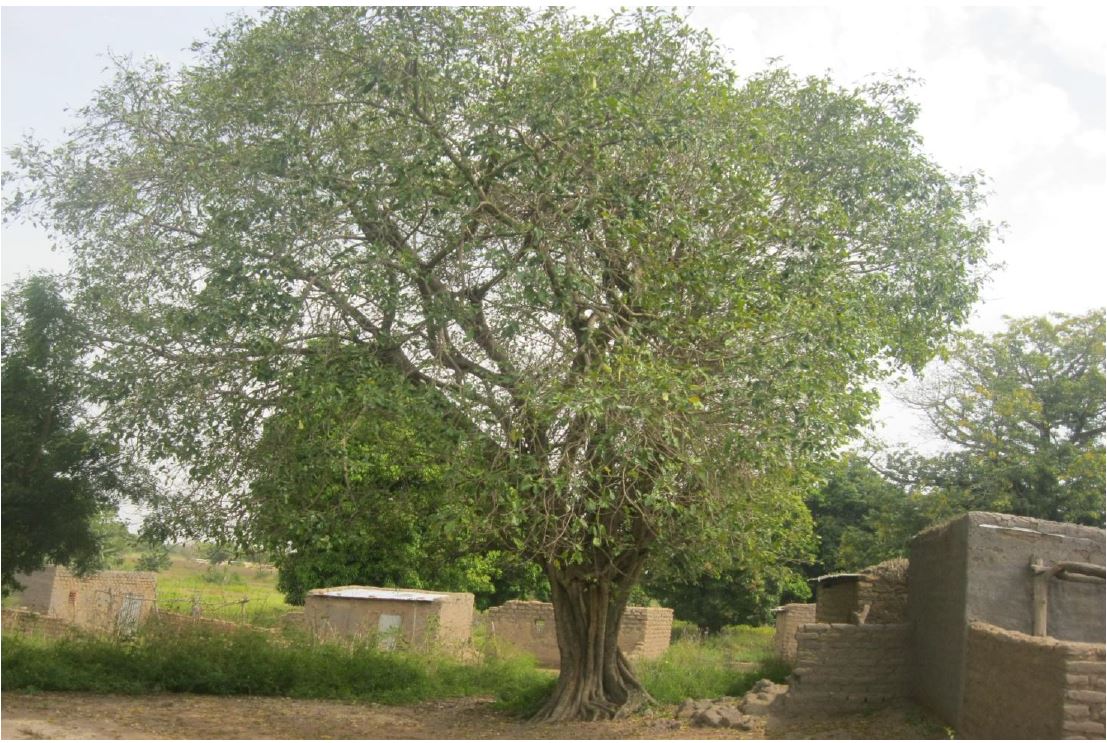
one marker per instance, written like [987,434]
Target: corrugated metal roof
[378,593]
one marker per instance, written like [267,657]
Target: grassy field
[234,592]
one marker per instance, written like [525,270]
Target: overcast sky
[1018,92]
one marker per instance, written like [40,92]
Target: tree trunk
[596,681]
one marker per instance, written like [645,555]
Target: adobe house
[395,617]
[107,601]
[996,624]
[529,626]
[1007,617]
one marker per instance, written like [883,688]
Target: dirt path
[191,716]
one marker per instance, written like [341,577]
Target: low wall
[848,667]
[529,626]
[25,622]
[1020,686]
[789,618]
[172,620]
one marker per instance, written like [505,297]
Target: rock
[733,718]
[687,708]
[710,717]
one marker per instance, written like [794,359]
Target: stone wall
[529,626]
[848,667]
[107,601]
[1019,686]
[789,618]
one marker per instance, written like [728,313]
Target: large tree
[650,291]
[1022,414]
[61,476]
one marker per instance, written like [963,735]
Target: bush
[258,663]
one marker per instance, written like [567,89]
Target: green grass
[262,664]
[221,590]
[711,668]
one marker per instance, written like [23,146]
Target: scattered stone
[687,708]
[762,697]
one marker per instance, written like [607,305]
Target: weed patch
[260,664]
[726,664]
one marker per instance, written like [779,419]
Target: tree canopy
[1023,413]
[648,290]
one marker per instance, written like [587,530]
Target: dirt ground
[190,716]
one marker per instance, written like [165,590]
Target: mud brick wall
[186,623]
[102,601]
[883,588]
[26,622]
[444,623]
[1084,713]
[836,602]
[789,618]
[1020,686]
[848,667]
[977,568]
[529,626]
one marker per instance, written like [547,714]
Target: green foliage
[861,518]
[713,602]
[710,668]
[647,293]
[153,558]
[1023,410]
[59,475]
[254,663]
[361,483]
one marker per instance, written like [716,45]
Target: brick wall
[789,618]
[848,667]
[529,626]
[1020,686]
[835,601]
[26,622]
[174,621]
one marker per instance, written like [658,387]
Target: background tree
[61,479]
[652,292]
[1023,411]
[863,518]
[358,483]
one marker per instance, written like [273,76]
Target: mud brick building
[107,601]
[996,624]
[529,626]
[395,617]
